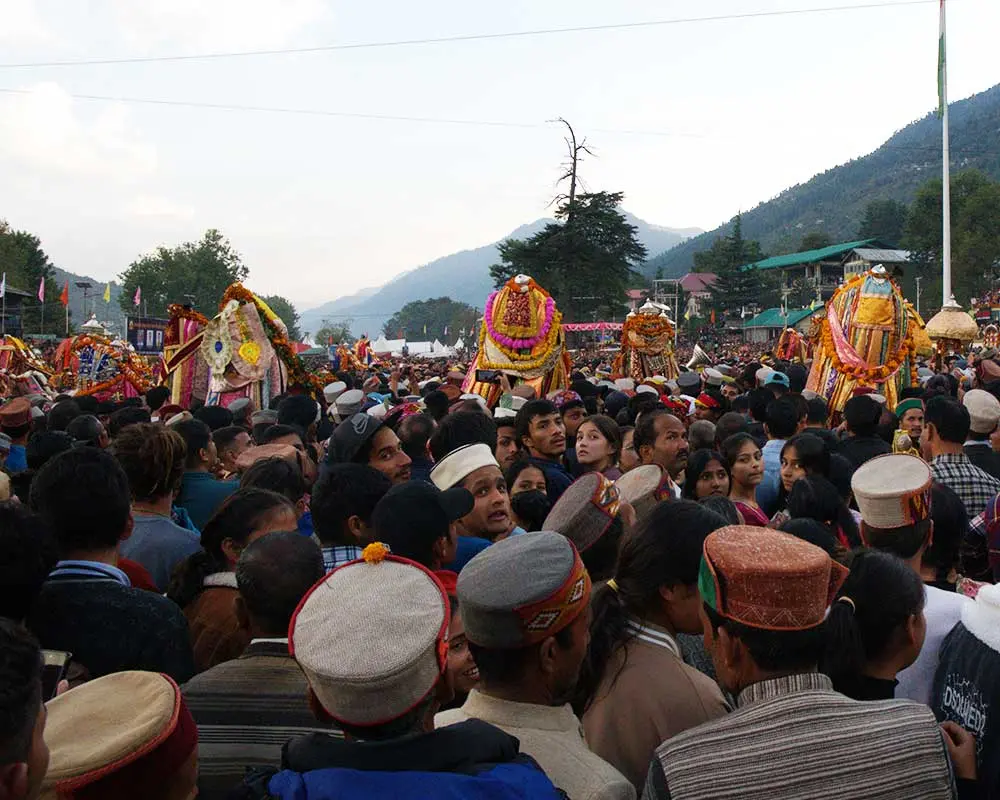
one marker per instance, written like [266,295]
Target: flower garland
[522,362]
[520,344]
[178,312]
[648,326]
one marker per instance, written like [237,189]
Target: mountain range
[834,201]
[462,276]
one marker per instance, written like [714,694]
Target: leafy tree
[25,263]
[427,319]
[203,269]
[884,220]
[975,236]
[284,309]
[736,288]
[331,332]
[586,260]
[815,240]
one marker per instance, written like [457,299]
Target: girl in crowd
[629,459]
[708,476]
[816,498]
[204,585]
[523,476]
[635,691]
[461,668]
[746,469]
[529,501]
[803,454]
[599,446]
[875,627]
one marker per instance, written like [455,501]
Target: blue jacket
[557,477]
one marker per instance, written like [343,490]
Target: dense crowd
[703,587]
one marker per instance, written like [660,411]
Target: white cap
[334,390]
[763,374]
[645,388]
[984,410]
[477,397]
[893,490]
[713,377]
[625,384]
[458,464]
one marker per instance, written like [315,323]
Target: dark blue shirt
[17,460]
[201,495]
[557,477]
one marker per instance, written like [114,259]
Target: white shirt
[942,610]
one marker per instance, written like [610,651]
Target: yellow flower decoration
[375,553]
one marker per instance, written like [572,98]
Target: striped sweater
[794,738]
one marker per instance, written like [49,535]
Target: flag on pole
[41,290]
[107,293]
[3,286]
[687,315]
[425,330]
[942,62]
[445,330]
[64,297]
[713,316]
[138,296]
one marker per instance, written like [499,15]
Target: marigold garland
[375,553]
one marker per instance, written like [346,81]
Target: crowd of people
[702,587]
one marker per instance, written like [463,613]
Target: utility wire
[471,37]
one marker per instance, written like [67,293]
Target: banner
[146,334]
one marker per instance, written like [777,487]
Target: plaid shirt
[339,555]
[974,486]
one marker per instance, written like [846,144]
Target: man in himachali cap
[984,414]
[526,605]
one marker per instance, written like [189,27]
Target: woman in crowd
[816,498]
[707,476]
[629,459]
[876,626]
[746,469]
[940,561]
[803,454]
[462,670]
[599,446]
[523,476]
[204,585]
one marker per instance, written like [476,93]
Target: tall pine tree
[736,289]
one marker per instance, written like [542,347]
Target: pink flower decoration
[519,344]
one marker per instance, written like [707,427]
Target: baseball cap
[350,436]
[412,515]
[777,377]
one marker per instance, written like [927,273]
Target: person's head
[876,625]
[244,517]
[701,435]
[215,417]
[817,413]
[797,376]
[754,628]
[660,438]
[418,521]
[629,458]
[278,475]
[283,434]
[656,579]
[362,439]
[62,414]
[816,498]
[745,460]
[342,502]
[300,411]
[24,755]
[950,521]
[83,498]
[523,476]
[729,424]
[463,674]
[27,556]
[759,400]
[893,493]
[529,509]
[526,607]
[201,455]
[803,454]
[782,418]
[153,458]
[984,413]
[474,468]
[156,397]
[814,532]
[707,475]
[508,447]
[375,693]
[722,506]
[862,415]
[415,433]
[230,442]
[88,430]
[572,409]
[598,442]
[460,429]
[273,574]
[123,417]
[946,426]
[910,414]
[541,430]
[710,405]
[44,445]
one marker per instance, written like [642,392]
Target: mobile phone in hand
[54,666]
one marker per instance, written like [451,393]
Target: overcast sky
[730,113]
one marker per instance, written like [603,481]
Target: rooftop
[814,256]
[698,281]
[775,317]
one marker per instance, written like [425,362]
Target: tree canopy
[437,318]
[586,260]
[284,309]
[203,269]
[334,332]
[736,289]
[25,264]
[884,220]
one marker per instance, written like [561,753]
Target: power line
[471,37]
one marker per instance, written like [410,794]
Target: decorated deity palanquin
[647,345]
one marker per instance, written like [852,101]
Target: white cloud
[20,23]
[191,26]
[45,131]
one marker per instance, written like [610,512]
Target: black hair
[645,428]
[62,414]
[818,412]
[740,404]
[610,430]
[462,428]
[273,574]
[698,461]
[225,437]
[410,722]
[214,416]
[344,491]
[812,531]
[196,435]
[782,418]
[774,651]
[20,691]
[152,457]
[665,550]
[879,596]
[86,429]
[298,410]
[520,464]
[759,400]
[278,475]
[731,446]
[82,495]
[531,509]
[414,433]
[601,556]
[235,519]
[862,415]
[88,403]
[940,386]
[506,667]
[280,431]
[394,527]
[43,446]
[950,418]
[797,376]
[258,430]
[436,403]
[816,498]
[813,456]
[156,397]
[123,417]
[908,392]
[951,520]
[722,506]
[841,472]
[528,412]
[27,556]
[730,423]
[274,402]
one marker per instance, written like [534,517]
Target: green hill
[834,201]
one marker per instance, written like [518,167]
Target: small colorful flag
[712,316]
[3,286]
[41,290]
[138,296]
[687,315]
[425,330]
[445,330]
[64,297]
[942,64]
[107,293]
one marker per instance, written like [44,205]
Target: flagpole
[945,168]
